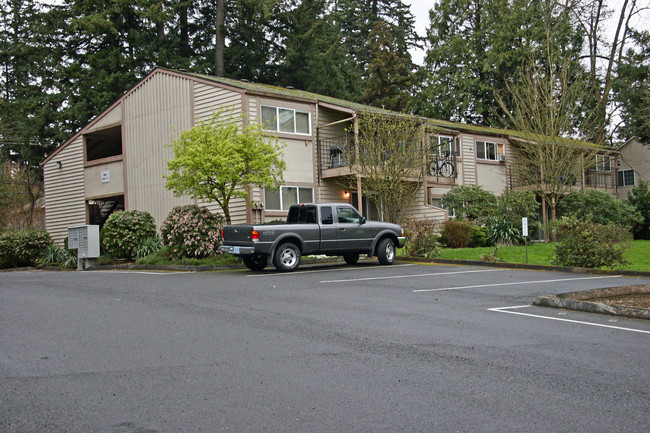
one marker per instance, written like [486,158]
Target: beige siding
[64,191]
[420,210]
[469,161]
[208,98]
[113,117]
[155,113]
[492,177]
[330,191]
[95,187]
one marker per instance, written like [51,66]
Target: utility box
[84,239]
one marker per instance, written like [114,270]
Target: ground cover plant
[540,253]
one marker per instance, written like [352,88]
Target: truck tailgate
[237,235]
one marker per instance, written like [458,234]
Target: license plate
[235,250]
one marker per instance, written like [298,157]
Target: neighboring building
[633,166]
[117,161]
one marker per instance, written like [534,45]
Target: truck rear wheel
[351,258]
[386,251]
[287,257]
[255,262]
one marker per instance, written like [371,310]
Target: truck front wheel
[386,251]
[287,257]
[255,262]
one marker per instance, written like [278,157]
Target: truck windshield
[302,215]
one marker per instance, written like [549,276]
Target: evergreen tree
[632,91]
[314,58]
[388,79]
[476,47]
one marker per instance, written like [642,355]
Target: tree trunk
[221,39]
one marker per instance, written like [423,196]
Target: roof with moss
[439,125]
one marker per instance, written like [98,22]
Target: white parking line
[513,284]
[311,271]
[505,310]
[392,277]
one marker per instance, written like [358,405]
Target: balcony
[337,158]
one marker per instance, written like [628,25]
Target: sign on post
[524,226]
[524,231]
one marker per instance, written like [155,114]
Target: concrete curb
[579,301]
[527,266]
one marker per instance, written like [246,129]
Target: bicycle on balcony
[441,166]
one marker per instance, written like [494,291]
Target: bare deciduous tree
[388,161]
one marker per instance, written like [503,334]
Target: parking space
[408,347]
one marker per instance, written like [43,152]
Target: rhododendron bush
[125,231]
[192,231]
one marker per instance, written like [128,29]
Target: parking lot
[408,347]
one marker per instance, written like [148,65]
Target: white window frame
[276,127]
[453,146]
[603,163]
[279,191]
[499,149]
[621,178]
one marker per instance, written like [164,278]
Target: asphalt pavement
[329,348]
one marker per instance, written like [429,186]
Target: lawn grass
[638,254]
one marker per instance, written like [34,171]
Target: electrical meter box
[84,239]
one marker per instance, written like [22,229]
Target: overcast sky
[420,10]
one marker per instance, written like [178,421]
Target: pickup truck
[333,229]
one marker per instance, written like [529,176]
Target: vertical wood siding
[469,160]
[154,115]
[65,204]
[207,100]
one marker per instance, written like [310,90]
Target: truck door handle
[342,228]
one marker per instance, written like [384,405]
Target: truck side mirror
[362,220]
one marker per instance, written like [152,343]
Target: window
[443,146]
[326,215]
[286,120]
[348,215]
[626,178]
[603,163]
[489,151]
[437,202]
[302,215]
[283,198]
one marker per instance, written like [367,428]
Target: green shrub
[422,240]
[147,247]
[590,245]
[599,207]
[457,234]
[22,248]
[639,197]
[56,255]
[479,237]
[502,232]
[470,202]
[192,231]
[125,231]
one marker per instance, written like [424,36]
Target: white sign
[524,226]
[106,176]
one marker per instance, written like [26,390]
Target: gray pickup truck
[333,229]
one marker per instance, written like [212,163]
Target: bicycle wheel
[447,169]
[433,168]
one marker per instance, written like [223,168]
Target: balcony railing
[337,152]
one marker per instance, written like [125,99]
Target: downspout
[356,152]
